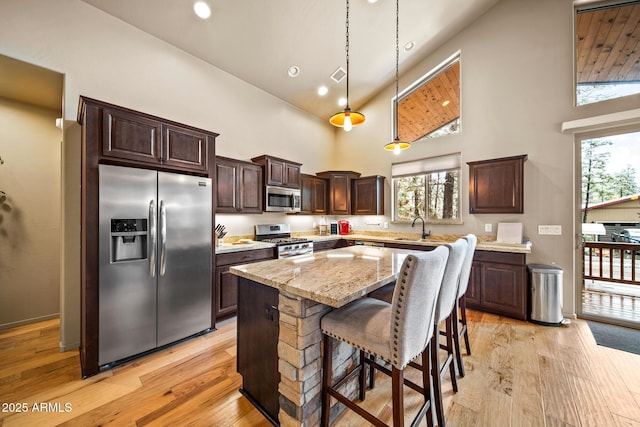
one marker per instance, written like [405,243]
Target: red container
[343,227]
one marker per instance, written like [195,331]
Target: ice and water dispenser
[128,239]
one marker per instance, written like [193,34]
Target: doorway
[610,217]
[30,186]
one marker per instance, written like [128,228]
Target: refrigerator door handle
[163,238]
[152,238]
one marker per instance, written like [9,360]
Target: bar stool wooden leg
[372,371]
[362,376]
[455,323]
[397,381]
[435,374]
[427,390]
[450,356]
[327,369]
[463,317]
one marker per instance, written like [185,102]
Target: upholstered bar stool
[445,306]
[460,313]
[395,333]
[444,313]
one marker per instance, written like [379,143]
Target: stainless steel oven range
[280,234]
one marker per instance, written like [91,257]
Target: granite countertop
[484,244]
[238,246]
[334,278]
[435,240]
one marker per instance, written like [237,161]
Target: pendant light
[347,119]
[396,145]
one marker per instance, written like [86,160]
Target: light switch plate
[554,230]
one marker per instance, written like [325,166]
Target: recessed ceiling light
[202,9]
[373,1]
[323,90]
[409,45]
[342,102]
[293,71]
[445,103]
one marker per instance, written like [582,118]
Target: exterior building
[615,215]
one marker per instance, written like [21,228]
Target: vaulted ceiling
[258,40]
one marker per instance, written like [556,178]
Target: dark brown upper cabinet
[368,195]
[279,172]
[239,186]
[314,195]
[496,186]
[339,190]
[137,137]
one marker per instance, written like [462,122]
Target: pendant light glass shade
[396,145]
[347,119]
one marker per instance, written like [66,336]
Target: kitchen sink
[409,239]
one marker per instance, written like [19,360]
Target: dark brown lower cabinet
[498,284]
[226,287]
[325,245]
[257,358]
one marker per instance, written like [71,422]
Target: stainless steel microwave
[280,199]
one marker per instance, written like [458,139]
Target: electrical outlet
[555,230]
[488,228]
[386,225]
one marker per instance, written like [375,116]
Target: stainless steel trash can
[545,285]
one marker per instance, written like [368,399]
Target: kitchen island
[281,303]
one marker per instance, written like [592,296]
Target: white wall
[516,90]
[104,58]
[30,231]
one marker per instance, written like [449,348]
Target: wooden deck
[611,304]
[611,282]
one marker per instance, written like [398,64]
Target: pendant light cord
[347,49]
[397,63]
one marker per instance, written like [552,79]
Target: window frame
[427,166]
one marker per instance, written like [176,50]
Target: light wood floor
[519,374]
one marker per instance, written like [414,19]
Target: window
[430,107]
[429,188]
[607,54]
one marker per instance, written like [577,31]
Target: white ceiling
[258,40]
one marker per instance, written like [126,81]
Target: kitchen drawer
[242,257]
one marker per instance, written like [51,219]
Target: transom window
[429,188]
[430,107]
[607,51]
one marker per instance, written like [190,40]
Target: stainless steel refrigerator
[155,260]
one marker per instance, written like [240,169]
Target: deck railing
[612,262]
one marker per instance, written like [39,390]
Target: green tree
[623,183]
[594,176]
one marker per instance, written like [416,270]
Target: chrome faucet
[424,234]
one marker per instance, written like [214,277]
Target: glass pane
[607,57]
[431,106]
[443,195]
[410,197]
